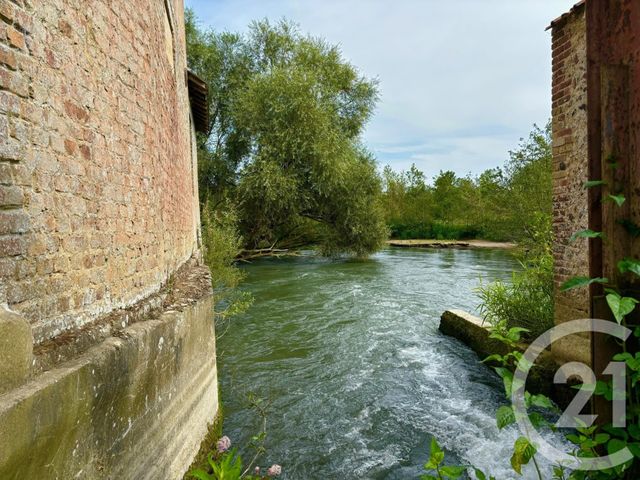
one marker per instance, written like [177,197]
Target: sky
[461,81]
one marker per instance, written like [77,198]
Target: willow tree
[284,144]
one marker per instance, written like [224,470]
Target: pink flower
[274,470]
[256,471]
[223,444]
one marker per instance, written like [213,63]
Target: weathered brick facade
[98,211]
[570,172]
[98,195]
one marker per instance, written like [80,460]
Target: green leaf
[200,474]
[631,228]
[437,455]
[615,445]
[507,379]
[578,282]
[494,358]
[621,306]
[428,477]
[480,475]
[585,234]
[616,432]
[523,451]
[629,265]
[514,333]
[634,448]
[594,183]
[634,431]
[505,416]
[537,420]
[542,401]
[619,199]
[573,438]
[452,471]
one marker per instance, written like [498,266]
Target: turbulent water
[357,376]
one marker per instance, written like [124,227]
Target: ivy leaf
[619,199]
[523,451]
[621,306]
[629,265]
[594,183]
[585,234]
[505,416]
[577,282]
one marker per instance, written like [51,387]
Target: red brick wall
[570,167]
[98,203]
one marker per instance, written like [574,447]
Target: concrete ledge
[470,330]
[16,350]
[134,406]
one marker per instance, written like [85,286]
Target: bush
[527,302]
[434,230]
[222,244]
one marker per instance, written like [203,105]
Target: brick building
[100,278]
[596,137]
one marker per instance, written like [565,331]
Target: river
[357,377]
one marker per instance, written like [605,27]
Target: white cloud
[461,81]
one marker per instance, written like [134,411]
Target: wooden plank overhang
[198,93]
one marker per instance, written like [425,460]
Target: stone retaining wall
[135,406]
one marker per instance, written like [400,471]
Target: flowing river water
[357,377]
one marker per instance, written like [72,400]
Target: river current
[357,377]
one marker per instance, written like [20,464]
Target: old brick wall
[570,172]
[98,199]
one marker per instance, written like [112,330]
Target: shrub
[435,230]
[527,302]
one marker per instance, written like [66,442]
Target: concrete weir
[136,405]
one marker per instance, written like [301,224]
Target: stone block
[16,349]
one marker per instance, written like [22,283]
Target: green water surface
[357,376]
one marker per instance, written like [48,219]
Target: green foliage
[594,183]
[505,416]
[629,265]
[287,113]
[526,302]
[523,452]
[620,306]
[579,282]
[506,203]
[222,243]
[227,467]
[585,234]
[436,458]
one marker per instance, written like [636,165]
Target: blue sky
[461,81]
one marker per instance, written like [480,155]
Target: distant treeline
[509,203]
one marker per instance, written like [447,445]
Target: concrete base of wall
[134,406]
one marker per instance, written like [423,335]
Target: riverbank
[450,244]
